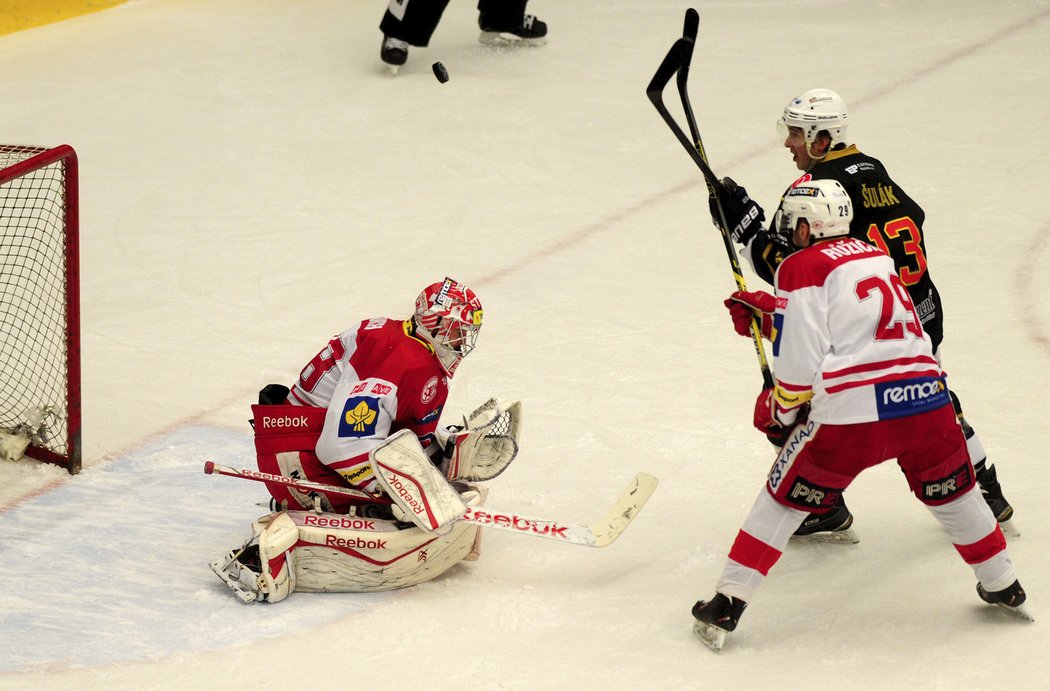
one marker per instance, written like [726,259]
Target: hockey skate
[394,53]
[240,571]
[833,526]
[529,31]
[1011,599]
[714,618]
[993,495]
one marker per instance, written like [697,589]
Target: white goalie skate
[238,576]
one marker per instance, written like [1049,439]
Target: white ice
[254,182]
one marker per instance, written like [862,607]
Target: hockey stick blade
[598,534]
[625,510]
[677,57]
[689,32]
[691,25]
[677,62]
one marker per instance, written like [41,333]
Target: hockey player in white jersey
[857,384]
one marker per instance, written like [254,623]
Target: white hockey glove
[486,444]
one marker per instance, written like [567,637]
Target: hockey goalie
[363,418]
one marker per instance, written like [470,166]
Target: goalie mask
[823,204]
[815,111]
[448,316]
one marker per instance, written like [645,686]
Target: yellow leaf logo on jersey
[360,414]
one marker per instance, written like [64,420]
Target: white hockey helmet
[823,204]
[448,316]
[815,111]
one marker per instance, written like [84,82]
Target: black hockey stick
[676,63]
[690,29]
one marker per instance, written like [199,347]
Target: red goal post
[40,301]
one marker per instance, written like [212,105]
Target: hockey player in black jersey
[813,127]
[412,22]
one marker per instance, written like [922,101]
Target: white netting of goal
[34,345]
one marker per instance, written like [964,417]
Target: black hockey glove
[779,436]
[743,215]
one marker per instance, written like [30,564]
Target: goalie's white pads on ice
[341,553]
[238,577]
[414,484]
[487,444]
[264,568]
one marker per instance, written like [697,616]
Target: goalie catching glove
[486,443]
[745,306]
[743,215]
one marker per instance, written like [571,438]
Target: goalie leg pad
[348,554]
[276,554]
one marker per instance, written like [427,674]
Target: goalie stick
[676,63]
[599,534]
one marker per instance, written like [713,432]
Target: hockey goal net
[39,305]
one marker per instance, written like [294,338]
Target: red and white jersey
[847,338]
[375,379]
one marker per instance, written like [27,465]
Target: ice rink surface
[252,182]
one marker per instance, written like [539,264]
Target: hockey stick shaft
[599,534]
[676,63]
[211,468]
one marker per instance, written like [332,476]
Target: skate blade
[392,70]
[1020,611]
[1009,529]
[711,636]
[844,537]
[496,38]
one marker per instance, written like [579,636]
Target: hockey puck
[440,72]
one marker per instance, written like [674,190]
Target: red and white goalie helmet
[448,316]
